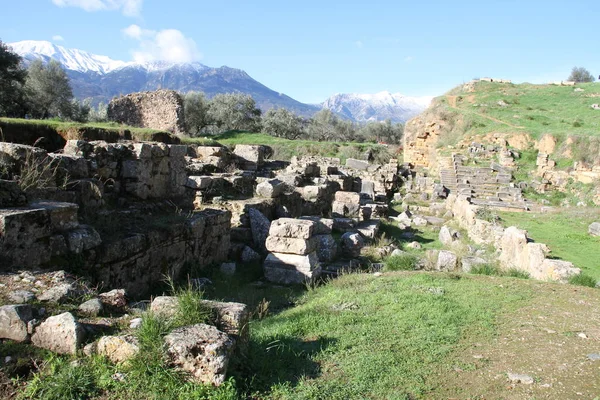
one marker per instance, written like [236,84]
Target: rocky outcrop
[162,110]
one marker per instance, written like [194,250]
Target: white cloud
[409,59]
[165,45]
[130,8]
[359,44]
[58,38]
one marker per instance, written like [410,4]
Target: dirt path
[553,340]
[452,104]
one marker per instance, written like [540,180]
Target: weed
[487,214]
[486,269]
[517,273]
[582,280]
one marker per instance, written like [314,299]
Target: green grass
[583,280]
[366,337]
[63,126]
[494,270]
[284,149]
[403,262]
[565,233]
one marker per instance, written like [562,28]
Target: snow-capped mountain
[377,107]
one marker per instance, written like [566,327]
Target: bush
[486,269]
[517,273]
[404,262]
[580,75]
[487,214]
[582,280]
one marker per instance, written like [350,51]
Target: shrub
[517,273]
[582,280]
[580,75]
[404,262]
[486,269]
[487,214]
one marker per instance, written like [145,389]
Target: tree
[195,111]
[322,125]
[12,78]
[382,132]
[234,111]
[48,91]
[580,75]
[280,122]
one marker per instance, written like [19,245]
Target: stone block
[343,224]
[347,197]
[292,228]
[357,164]
[251,156]
[368,189]
[118,348]
[369,229]
[594,229]
[290,245]
[61,334]
[201,350]
[286,276]
[351,244]
[341,210]
[312,192]
[82,238]
[270,189]
[446,261]
[142,150]
[199,182]
[327,248]
[63,216]
[323,226]
[302,263]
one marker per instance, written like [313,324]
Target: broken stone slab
[260,226]
[323,226]
[61,334]
[594,229]
[292,228]
[351,244]
[369,229]
[368,189]
[82,238]
[357,164]
[199,182]
[270,189]
[343,224]
[201,350]
[14,320]
[118,349]
[347,210]
[61,293]
[21,296]
[92,307]
[63,216]
[302,263]
[290,245]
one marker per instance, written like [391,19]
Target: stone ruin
[161,109]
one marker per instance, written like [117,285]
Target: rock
[369,229]
[343,224]
[414,245]
[594,229]
[447,236]
[292,228]
[115,299]
[290,246]
[135,323]
[351,244]
[227,268]
[118,348]
[520,378]
[419,221]
[291,268]
[327,248]
[164,306]
[61,293]
[21,296]
[357,164]
[14,321]
[249,255]
[61,334]
[447,261]
[398,253]
[323,226]
[251,156]
[201,350]
[231,318]
[92,307]
[594,357]
[82,238]
[405,218]
[270,189]
[260,226]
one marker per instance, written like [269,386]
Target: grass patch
[403,262]
[486,269]
[566,234]
[583,280]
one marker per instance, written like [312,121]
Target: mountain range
[101,78]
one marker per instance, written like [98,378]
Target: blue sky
[312,49]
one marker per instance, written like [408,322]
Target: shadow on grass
[405,235]
[280,360]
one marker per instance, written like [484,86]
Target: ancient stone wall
[162,109]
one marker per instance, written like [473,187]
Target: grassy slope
[533,109]
[284,149]
[565,232]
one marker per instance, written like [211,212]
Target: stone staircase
[488,186]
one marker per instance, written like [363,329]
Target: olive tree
[12,78]
[48,90]
[580,75]
[234,111]
[382,132]
[282,123]
[195,111]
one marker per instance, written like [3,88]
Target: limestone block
[251,156]
[142,150]
[594,229]
[447,236]
[231,318]
[115,299]
[22,227]
[209,151]
[92,307]
[343,224]
[82,238]
[312,192]
[327,248]
[347,197]
[302,263]
[61,293]
[201,350]
[323,226]
[290,245]
[368,189]
[199,182]
[249,255]
[357,164]
[287,276]
[467,263]
[446,261]
[260,226]
[369,229]
[292,228]
[60,334]
[164,306]
[118,348]
[63,216]
[270,189]
[14,320]
[339,209]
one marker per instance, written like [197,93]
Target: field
[65,126]
[565,231]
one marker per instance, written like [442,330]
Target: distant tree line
[43,91]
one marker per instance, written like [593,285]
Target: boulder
[201,350]
[61,334]
[351,244]
[447,236]
[118,348]
[594,229]
[270,189]
[21,296]
[249,255]
[260,226]
[164,306]
[290,245]
[61,293]
[446,261]
[327,248]
[14,320]
[467,263]
[115,299]
[91,308]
